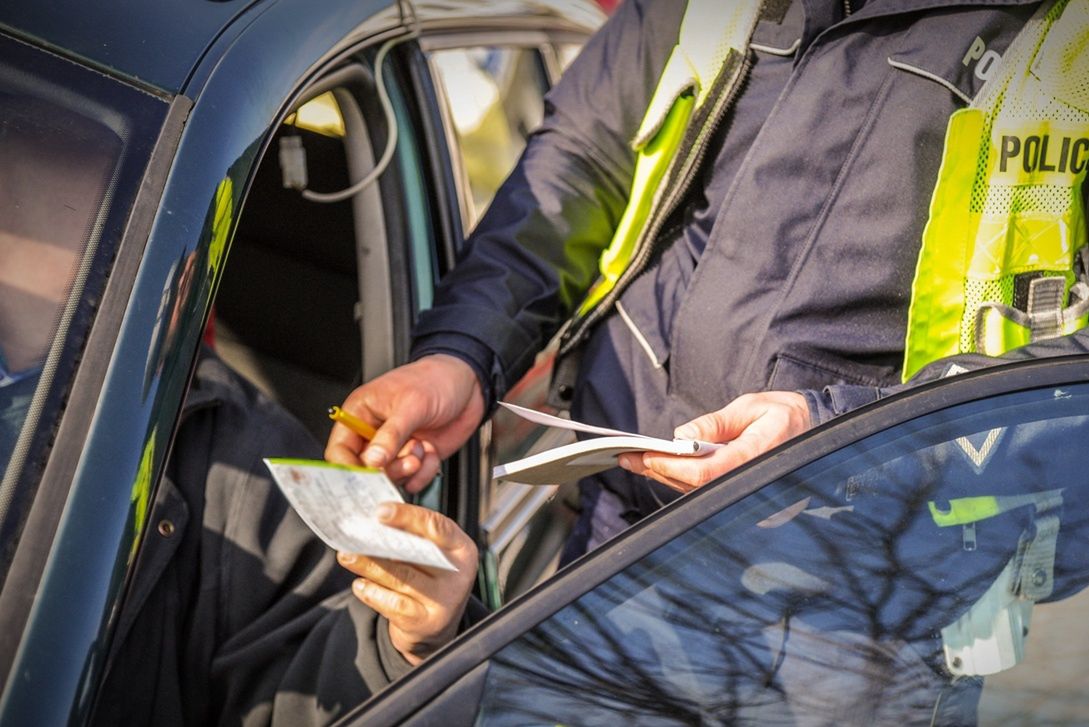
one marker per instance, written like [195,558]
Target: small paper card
[339,502]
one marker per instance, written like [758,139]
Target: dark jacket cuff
[831,401]
[393,662]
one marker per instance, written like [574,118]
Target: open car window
[932,572]
[495,98]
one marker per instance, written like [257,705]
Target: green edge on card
[320,463]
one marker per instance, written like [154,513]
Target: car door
[201,169]
[919,560]
[85,157]
[160,178]
[343,275]
[490,90]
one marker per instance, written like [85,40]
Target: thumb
[389,439]
[428,524]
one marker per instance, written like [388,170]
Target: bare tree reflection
[822,599]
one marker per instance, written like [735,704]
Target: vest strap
[713,38]
[710,30]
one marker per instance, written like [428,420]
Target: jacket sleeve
[831,401]
[314,669]
[290,644]
[534,254]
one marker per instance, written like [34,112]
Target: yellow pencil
[353,422]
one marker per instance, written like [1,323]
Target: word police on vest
[1039,153]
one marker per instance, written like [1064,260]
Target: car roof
[159,44]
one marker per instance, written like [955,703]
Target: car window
[73,145]
[495,98]
[933,572]
[338,287]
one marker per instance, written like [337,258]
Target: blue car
[282,180]
[286,181]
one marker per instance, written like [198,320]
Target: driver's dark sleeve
[237,614]
[312,669]
[534,254]
[273,624]
[292,645]
[831,401]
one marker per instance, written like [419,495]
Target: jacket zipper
[573,333]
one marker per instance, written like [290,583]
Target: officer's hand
[751,424]
[423,411]
[423,605]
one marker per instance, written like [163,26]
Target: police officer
[787,206]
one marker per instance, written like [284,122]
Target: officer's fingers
[344,446]
[402,410]
[632,462]
[785,412]
[687,473]
[769,431]
[407,462]
[724,424]
[426,472]
[389,438]
[678,485]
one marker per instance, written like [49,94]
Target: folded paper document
[587,456]
[339,503]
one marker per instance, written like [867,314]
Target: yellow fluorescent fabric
[964,510]
[710,31]
[1008,200]
[650,169]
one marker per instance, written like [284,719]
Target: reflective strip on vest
[1002,261]
[710,31]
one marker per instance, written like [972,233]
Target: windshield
[931,573]
[73,145]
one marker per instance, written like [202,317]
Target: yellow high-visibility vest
[1003,259]
[698,82]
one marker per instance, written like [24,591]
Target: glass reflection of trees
[827,596]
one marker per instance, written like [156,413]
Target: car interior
[318,290]
[284,313]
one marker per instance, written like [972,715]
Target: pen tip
[332,410]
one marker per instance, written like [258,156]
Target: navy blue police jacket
[788,267]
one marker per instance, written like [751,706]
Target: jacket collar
[879,8]
[822,15]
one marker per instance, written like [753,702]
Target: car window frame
[56,480]
[27,625]
[462,663]
[539,42]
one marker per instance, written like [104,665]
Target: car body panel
[162,44]
[229,72]
[146,376]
